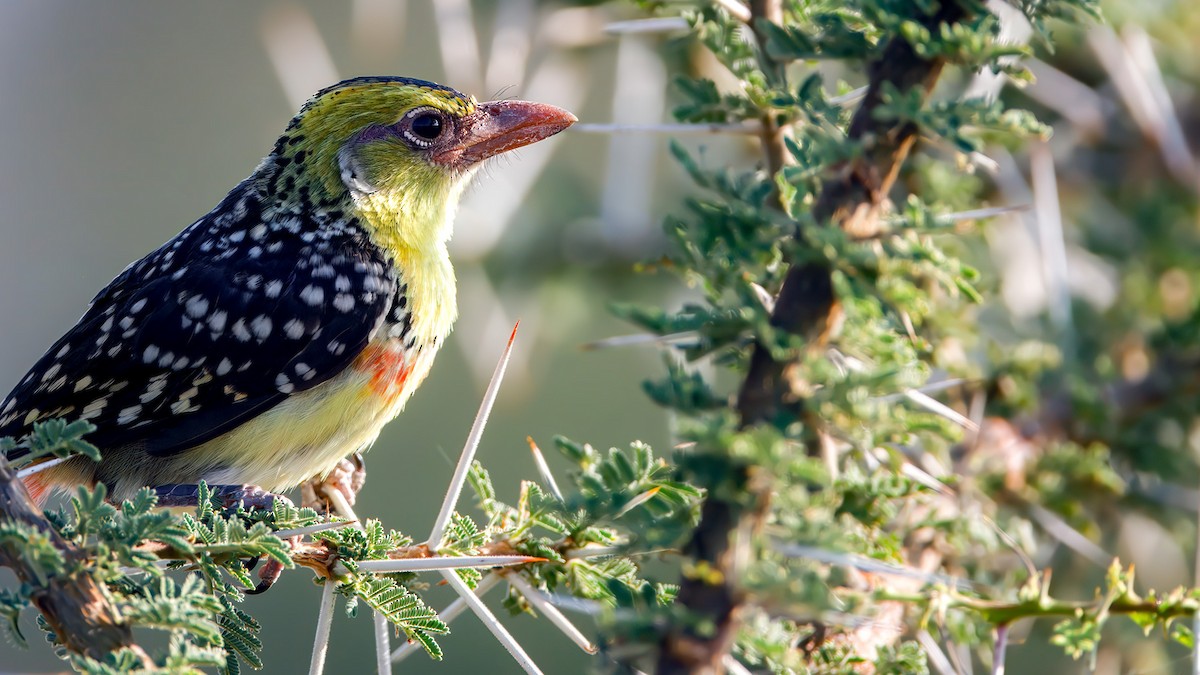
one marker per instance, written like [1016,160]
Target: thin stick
[448,614]
[485,615]
[445,563]
[468,454]
[542,604]
[324,622]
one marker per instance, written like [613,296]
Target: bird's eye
[427,126]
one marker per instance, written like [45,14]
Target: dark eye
[427,126]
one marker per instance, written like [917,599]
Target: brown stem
[71,601]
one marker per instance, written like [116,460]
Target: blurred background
[120,124]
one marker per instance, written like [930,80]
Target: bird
[278,334]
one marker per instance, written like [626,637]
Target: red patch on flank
[38,487]
[387,367]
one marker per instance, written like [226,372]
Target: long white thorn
[733,666]
[40,466]
[472,444]
[638,501]
[324,622]
[666,128]
[340,504]
[448,614]
[937,658]
[543,468]
[1051,244]
[438,563]
[485,615]
[666,24]
[736,9]
[865,564]
[542,604]
[937,407]
[383,641]
[637,339]
[383,645]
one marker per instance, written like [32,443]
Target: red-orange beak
[500,126]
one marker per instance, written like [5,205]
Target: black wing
[214,328]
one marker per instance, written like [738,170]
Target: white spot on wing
[261,325]
[313,295]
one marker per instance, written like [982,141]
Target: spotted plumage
[278,333]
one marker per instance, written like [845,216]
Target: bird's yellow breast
[308,433]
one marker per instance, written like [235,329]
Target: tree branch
[71,601]
[807,306]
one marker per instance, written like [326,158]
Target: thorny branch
[852,198]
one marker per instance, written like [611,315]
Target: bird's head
[402,150]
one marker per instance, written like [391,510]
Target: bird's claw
[347,478]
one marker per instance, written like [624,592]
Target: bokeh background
[121,123]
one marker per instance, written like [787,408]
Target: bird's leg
[347,478]
[248,496]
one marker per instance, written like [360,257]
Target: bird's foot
[347,478]
[249,497]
